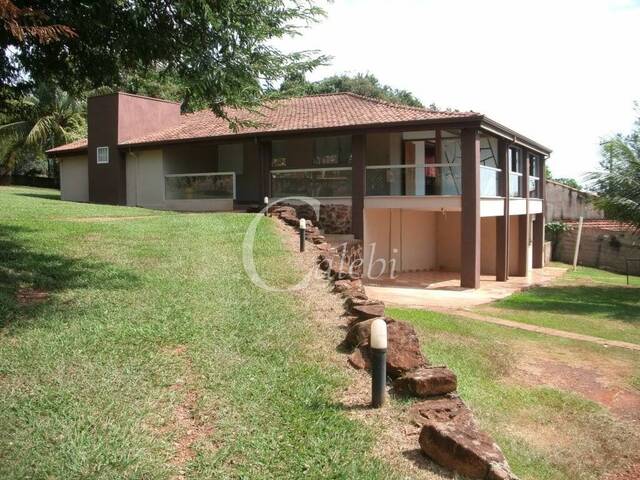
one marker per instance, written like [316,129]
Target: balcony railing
[490,181]
[199,186]
[515,184]
[409,180]
[315,182]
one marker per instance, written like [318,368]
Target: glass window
[534,165]
[515,160]
[489,151]
[332,151]
[451,149]
[279,153]
[231,158]
[102,155]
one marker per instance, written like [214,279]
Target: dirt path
[538,329]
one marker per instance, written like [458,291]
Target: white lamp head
[378,334]
[303,224]
[266,200]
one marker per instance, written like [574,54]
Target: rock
[438,409]
[360,332]
[403,351]
[368,310]
[452,439]
[340,286]
[426,381]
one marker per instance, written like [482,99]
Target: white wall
[406,237]
[74,179]
[145,179]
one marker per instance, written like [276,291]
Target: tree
[211,53]
[364,84]
[618,181]
[569,182]
[39,121]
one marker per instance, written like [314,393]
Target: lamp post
[303,227]
[378,346]
[266,206]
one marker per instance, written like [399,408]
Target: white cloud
[564,73]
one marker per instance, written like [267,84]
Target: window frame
[314,160]
[100,150]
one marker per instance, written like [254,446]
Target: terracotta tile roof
[611,225]
[299,113]
[78,145]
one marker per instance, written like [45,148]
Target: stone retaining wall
[334,218]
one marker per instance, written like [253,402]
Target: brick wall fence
[600,248]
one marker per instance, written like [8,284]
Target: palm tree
[618,183]
[44,119]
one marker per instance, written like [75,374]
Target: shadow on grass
[22,267]
[43,196]
[617,303]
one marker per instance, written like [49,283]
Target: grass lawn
[546,433]
[154,356]
[587,301]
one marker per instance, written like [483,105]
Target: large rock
[360,332]
[403,351]
[426,381]
[362,307]
[451,438]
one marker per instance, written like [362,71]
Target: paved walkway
[538,329]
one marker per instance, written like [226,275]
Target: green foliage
[618,181]
[362,84]
[38,121]
[554,229]
[570,182]
[206,52]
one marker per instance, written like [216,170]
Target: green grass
[546,433]
[587,301]
[141,312]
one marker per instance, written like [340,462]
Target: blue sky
[562,72]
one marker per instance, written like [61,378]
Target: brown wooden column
[523,220]
[538,225]
[470,218]
[502,223]
[358,159]
[264,158]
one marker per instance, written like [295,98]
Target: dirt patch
[600,382]
[187,426]
[629,473]
[31,296]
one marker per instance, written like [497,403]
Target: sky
[564,73]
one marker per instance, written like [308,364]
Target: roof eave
[462,121]
[496,128]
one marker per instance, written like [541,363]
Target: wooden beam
[358,166]
[502,223]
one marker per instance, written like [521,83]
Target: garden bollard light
[378,346]
[266,206]
[303,227]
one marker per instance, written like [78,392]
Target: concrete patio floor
[441,290]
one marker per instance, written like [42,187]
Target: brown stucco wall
[113,119]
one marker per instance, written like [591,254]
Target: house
[425,190]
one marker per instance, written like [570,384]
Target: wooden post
[575,253]
[358,156]
[502,223]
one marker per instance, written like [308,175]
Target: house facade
[423,189]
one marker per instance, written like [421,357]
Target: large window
[490,171]
[534,175]
[515,172]
[332,151]
[199,186]
[279,154]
